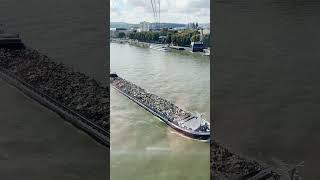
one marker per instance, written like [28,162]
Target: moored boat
[10,40]
[206,52]
[165,49]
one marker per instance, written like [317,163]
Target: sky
[172,11]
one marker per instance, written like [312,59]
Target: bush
[182,38]
[121,35]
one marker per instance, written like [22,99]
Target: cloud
[179,11]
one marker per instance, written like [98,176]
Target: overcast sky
[178,11]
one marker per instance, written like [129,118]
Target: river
[266,86]
[142,147]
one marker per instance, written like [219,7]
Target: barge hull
[99,134]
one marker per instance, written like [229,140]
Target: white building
[204,31]
[145,26]
[114,32]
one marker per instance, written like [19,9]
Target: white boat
[155,46]
[160,47]
[206,52]
[165,49]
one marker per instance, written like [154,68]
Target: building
[114,32]
[145,26]
[197,46]
[205,31]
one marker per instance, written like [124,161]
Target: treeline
[147,36]
[182,38]
[206,40]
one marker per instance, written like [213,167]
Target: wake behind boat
[189,124]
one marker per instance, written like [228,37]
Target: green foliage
[180,38]
[121,35]
[195,38]
[206,40]
[147,36]
[164,32]
[169,38]
[183,38]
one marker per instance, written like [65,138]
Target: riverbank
[74,90]
[183,50]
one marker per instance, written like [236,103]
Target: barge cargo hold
[186,123]
[78,120]
[77,98]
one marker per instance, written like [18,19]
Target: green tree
[169,39]
[155,36]
[195,38]
[206,40]
[132,35]
[121,35]
[164,32]
[174,39]
[181,38]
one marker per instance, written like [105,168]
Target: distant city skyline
[172,11]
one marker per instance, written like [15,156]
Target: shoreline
[186,51]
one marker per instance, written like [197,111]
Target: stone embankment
[73,90]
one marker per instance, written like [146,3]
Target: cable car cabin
[197,46]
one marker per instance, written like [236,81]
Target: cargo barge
[43,80]
[9,40]
[186,123]
[81,122]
